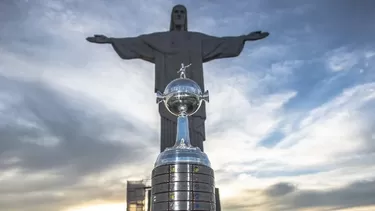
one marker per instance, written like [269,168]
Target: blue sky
[290,121]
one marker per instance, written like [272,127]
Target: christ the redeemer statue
[167,50]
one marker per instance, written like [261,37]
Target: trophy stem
[182,137]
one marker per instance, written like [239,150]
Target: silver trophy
[182,178]
[182,97]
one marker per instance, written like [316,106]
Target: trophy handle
[159,97]
[205,96]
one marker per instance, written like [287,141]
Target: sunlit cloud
[99,207]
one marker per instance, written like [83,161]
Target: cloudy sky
[291,121]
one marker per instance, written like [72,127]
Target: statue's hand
[257,35]
[99,39]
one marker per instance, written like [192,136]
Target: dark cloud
[34,115]
[286,196]
[357,194]
[280,189]
[80,130]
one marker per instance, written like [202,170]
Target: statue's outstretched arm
[100,39]
[127,48]
[227,47]
[257,35]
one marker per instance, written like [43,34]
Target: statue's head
[178,18]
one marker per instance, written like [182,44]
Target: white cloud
[329,132]
[369,54]
[342,59]
[232,112]
[285,68]
[326,139]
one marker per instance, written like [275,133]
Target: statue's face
[179,15]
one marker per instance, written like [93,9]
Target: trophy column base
[183,186]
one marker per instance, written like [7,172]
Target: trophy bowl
[183,96]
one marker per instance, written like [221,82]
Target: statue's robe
[167,50]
